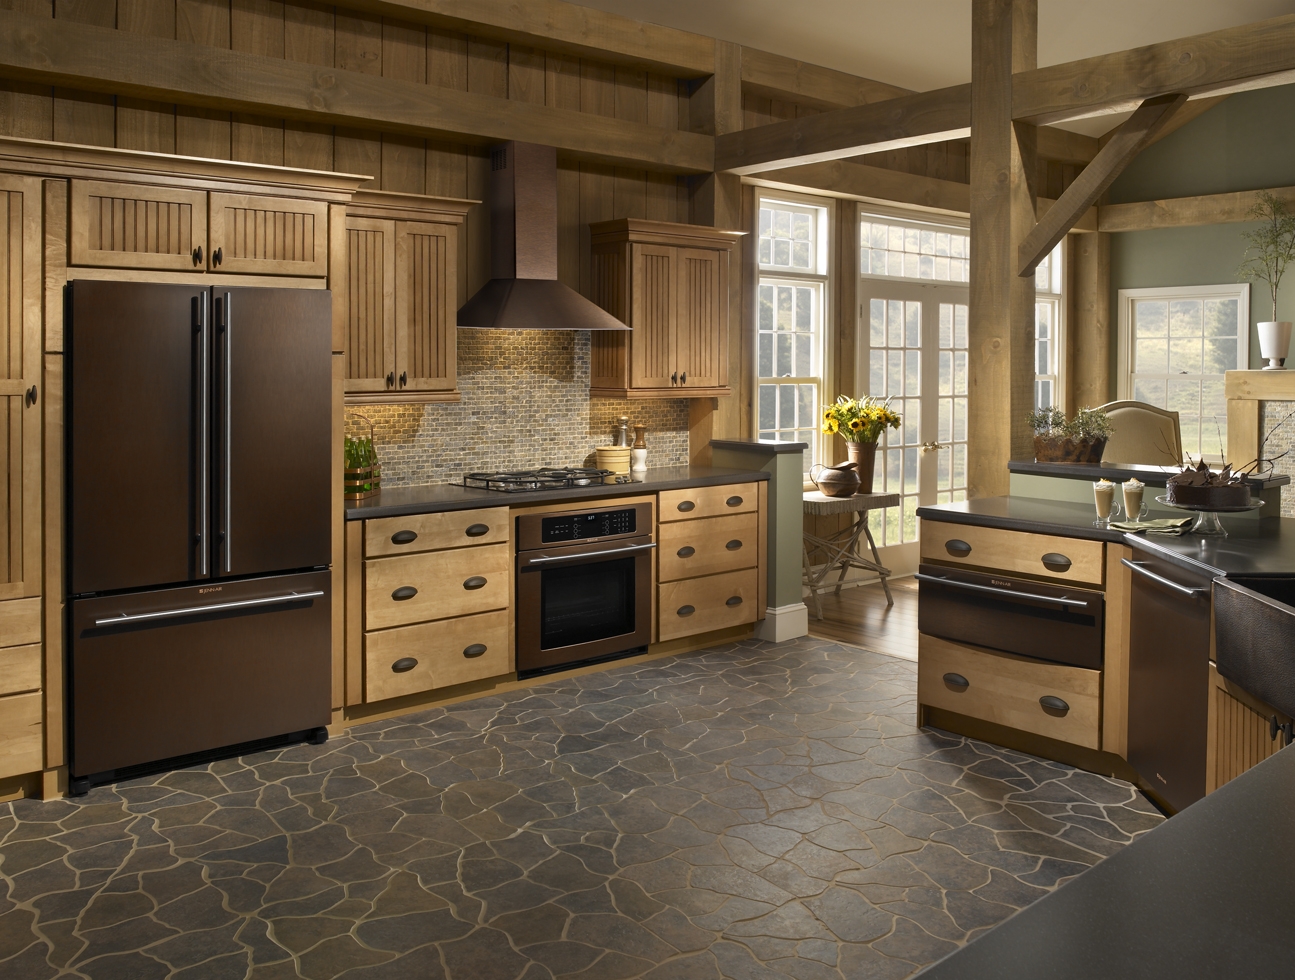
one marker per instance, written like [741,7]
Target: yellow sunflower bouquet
[859,419]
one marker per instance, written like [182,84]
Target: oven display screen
[577,527]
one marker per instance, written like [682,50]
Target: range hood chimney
[523,292]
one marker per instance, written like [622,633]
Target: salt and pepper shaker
[638,452]
[622,433]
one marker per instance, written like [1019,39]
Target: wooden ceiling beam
[910,120]
[1185,212]
[1127,142]
[105,60]
[1258,55]
[845,178]
[778,77]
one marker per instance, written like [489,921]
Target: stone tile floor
[754,811]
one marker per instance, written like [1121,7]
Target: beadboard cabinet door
[138,226]
[371,311]
[654,305]
[701,329]
[280,236]
[426,312]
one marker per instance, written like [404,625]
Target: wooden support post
[1089,382]
[1004,36]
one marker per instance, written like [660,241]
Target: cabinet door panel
[371,309]
[654,303]
[700,341]
[138,226]
[426,274]
[268,235]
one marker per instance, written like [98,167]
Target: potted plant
[1061,440]
[860,422]
[1268,248]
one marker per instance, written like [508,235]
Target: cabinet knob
[474,583]
[404,378]
[477,530]
[404,664]
[1053,705]
[197,255]
[956,680]
[683,378]
[391,378]
[30,396]
[686,610]
[687,551]
[474,650]
[734,501]
[674,378]
[686,505]
[733,600]
[1054,562]
[218,256]
[733,545]
[404,537]
[404,592]
[957,548]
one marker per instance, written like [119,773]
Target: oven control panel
[578,527]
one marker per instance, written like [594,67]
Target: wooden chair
[1142,434]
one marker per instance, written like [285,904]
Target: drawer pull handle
[404,664]
[1052,704]
[1054,562]
[957,548]
[404,537]
[404,592]
[734,501]
[475,650]
[956,680]
[687,551]
[686,505]
[733,545]
[477,530]
[733,600]
[474,583]
[686,610]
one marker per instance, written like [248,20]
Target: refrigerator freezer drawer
[166,673]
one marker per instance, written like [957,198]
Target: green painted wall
[1244,143]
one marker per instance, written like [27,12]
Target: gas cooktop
[544,478]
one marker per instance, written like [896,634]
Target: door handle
[214,607]
[204,435]
[543,559]
[930,447]
[30,396]
[227,321]
[1137,566]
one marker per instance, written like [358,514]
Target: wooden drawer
[427,532]
[21,734]
[717,544]
[445,653]
[20,622]
[138,226]
[268,235]
[698,605]
[446,583]
[1068,559]
[20,669]
[686,505]
[1006,689]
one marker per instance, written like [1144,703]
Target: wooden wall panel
[141,123]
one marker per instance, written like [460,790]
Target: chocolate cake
[1204,489]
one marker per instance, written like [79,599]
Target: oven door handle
[544,559]
[1073,603]
[1138,567]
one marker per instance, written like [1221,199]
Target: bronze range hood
[523,292]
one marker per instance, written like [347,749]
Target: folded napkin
[1162,525]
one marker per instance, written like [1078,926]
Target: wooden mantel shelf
[1260,385]
[1245,390]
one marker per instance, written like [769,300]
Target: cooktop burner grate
[544,478]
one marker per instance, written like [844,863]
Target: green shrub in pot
[1081,439]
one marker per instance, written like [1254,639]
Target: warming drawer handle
[404,537]
[957,548]
[1055,562]
[686,610]
[733,545]
[1051,702]
[214,607]
[1138,567]
[404,664]
[686,505]
[404,592]
[957,680]
[474,650]
[474,583]
[733,600]
[687,551]
[477,530]
[734,501]
[1073,603]
[590,554]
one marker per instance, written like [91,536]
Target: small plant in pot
[1061,440]
[1269,248]
[860,422]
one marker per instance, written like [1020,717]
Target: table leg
[851,549]
[885,586]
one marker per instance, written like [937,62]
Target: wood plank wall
[339,38]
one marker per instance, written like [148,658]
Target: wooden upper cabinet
[669,283]
[138,226]
[279,236]
[402,252]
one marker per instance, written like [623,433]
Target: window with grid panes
[951,460]
[895,372]
[900,250]
[789,322]
[1048,327]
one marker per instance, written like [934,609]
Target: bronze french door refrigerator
[198,532]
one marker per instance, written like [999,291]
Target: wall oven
[584,587]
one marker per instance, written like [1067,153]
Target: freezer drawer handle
[686,505]
[477,530]
[1051,703]
[404,537]
[687,551]
[734,501]
[957,547]
[214,607]
[733,600]
[475,582]
[956,680]
[686,610]
[1054,562]
[404,664]
[733,545]
[404,592]
[475,650]
[1137,566]
[1073,603]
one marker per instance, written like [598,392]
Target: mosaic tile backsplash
[525,403]
[1280,441]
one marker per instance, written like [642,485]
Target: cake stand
[1207,521]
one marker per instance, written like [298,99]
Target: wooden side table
[842,548]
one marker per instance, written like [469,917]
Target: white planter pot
[1274,343]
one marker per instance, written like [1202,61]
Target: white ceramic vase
[1274,343]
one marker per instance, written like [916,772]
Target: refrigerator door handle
[214,607]
[204,451]
[227,328]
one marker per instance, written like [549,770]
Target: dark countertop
[1152,476]
[1202,895]
[1252,547]
[432,498]
[772,446]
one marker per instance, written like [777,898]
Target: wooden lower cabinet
[22,742]
[1240,731]
[713,602]
[435,585]
[409,659]
[432,532]
[688,549]
[697,502]
[1013,552]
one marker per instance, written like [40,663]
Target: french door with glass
[912,344]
